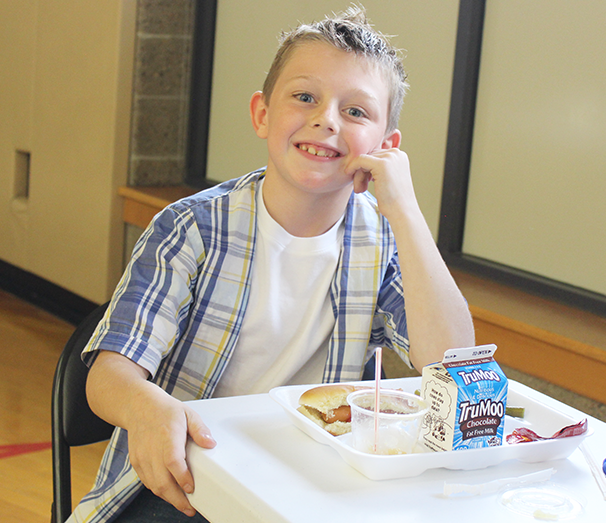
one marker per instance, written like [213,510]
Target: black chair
[73,423]
[370,369]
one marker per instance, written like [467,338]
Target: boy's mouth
[316,150]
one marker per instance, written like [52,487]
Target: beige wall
[247,40]
[537,193]
[65,97]
[537,181]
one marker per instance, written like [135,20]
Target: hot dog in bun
[327,406]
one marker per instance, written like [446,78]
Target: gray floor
[587,405]
[395,368]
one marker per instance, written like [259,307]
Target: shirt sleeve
[149,308]
[389,324]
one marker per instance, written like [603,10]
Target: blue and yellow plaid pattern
[178,309]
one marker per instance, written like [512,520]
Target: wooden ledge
[141,204]
[560,344]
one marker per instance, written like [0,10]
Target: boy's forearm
[437,315]
[115,385]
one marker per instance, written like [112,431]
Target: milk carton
[467,396]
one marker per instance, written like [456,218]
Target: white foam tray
[541,418]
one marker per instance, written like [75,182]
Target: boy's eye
[355,112]
[305,97]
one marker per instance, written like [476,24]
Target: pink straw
[378,365]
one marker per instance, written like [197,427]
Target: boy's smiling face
[327,107]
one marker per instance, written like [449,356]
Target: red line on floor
[8,451]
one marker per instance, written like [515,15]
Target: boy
[287,275]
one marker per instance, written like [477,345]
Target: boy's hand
[437,316]
[390,171]
[157,435]
[158,425]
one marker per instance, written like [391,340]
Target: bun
[327,406]
[327,397]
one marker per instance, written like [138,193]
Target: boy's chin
[321,182]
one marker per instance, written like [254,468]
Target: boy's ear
[392,140]
[258,114]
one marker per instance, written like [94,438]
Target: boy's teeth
[312,150]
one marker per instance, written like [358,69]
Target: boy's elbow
[433,353]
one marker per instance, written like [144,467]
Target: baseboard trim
[571,364]
[48,296]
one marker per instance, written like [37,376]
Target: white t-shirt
[289,318]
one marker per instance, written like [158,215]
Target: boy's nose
[329,127]
[324,118]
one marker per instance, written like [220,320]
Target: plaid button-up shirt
[179,307]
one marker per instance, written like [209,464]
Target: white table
[264,469]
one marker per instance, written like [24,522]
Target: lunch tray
[539,417]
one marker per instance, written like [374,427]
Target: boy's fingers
[177,466]
[198,431]
[161,480]
[175,480]
[359,164]
[171,493]
[361,180]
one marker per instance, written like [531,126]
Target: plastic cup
[400,418]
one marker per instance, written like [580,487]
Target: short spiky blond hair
[349,31]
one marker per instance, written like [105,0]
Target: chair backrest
[369,369]
[73,422]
